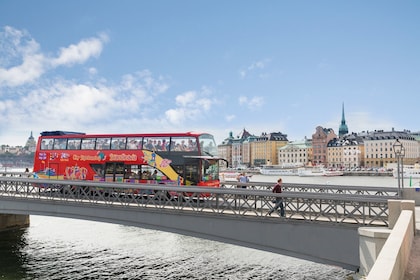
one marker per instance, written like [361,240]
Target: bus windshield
[208,145]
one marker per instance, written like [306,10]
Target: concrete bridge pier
[13,221]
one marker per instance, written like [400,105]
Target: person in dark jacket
[279,200]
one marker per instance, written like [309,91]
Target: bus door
[191,174]
[114,172]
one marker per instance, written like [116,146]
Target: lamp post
[402,166]
[398,150]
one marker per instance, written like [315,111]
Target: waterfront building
[379,147]
[13,150]
[335,153]
[364,149]
[346,151]
[265,148]
[236,152]
[237,148]
[320,140]
[225,150]
[247,146]
[416,136]
[295,153]
[249,150]
[232,149]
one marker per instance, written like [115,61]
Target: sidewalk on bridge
[413,268]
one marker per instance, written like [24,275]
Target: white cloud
[25,63]
[92,71]
[256,102]
[243,100]
[17,47]
[191,105]
[363,121]
[175,116]
[252,103]
[230,117]
[66,105]
[186,99]
[80,52]
[30,70]
[205,104]
[259,65]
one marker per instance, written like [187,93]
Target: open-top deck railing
[308,203]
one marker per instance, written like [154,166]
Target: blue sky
[214,66]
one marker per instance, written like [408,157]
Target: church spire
[343,129]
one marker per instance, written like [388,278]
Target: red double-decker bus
[152,158]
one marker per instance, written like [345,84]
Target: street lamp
[402,166]
[398,150]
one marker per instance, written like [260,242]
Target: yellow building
[265,148]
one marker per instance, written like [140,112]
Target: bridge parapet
[253,202]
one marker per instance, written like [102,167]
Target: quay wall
[13,221]
[367,173]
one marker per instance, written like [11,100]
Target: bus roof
[159,134]
[59,132]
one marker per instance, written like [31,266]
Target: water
[58,248]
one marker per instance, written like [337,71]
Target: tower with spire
[343,129]
[31,144]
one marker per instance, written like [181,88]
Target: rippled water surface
[59,248]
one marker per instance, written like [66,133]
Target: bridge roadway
[321,222]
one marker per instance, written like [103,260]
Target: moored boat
[332,173]
[278,170]
[310,172]
[407,173]
[315,171]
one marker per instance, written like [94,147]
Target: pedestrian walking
[279,200]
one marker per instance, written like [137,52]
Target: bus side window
[118,143]
[88,144]
[134,143]
[44,145]
[148,144]
[163,144]
[60,144]
[192,145]
[73,144]
[50,144]
[103,143]
[183,144]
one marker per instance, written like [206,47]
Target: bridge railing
[319,188]
[288,187]
[251,202]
